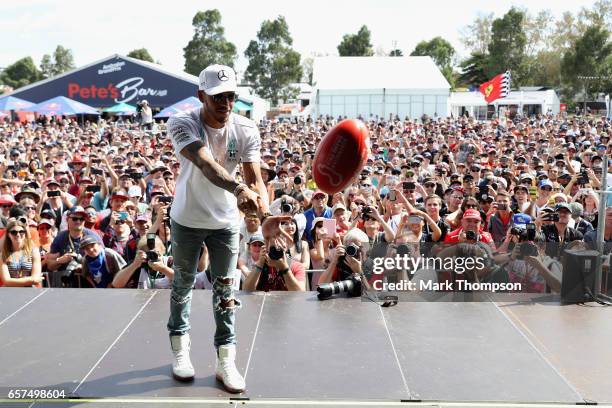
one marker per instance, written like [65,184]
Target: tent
[60,105]
[184,105]
[382,86]
[121,108]
[9,103]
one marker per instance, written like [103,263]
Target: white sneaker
[226,370]
[181,365]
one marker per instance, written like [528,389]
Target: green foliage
[273,64]
[208,45]
[473,70]
[396,53]
[507,47]
[21,73]
[141,54]
[61,61]
[590,56]
[356,45]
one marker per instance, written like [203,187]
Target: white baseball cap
[216,79]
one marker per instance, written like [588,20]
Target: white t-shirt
[198,203]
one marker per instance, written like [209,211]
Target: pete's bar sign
[124,91]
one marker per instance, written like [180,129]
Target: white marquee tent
[383,86]
[530,101]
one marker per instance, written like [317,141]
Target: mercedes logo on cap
[222,75]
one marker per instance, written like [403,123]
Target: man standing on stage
[209,143]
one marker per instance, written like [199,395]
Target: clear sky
[96,29]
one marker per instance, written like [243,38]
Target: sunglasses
[77,219]
[471,206]
[7,206]
[222,97]
[430,185]
[17,232]
[43,228]
[120,222]
[30,208]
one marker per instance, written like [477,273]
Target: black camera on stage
[350,282]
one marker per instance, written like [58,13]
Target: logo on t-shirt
[232,150]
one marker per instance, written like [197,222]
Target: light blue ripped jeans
[222,248]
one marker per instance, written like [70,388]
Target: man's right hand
[247,201]
[67,257]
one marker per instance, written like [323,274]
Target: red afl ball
[341,155]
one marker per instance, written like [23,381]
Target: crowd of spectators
[86,205]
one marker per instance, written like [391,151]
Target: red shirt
[453,236]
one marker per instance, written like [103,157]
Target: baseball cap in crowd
[561,206]
[471,214]
[88,240]
[338,206]
[77,210]
[216,79]
[121,195]
[544,183]
[50,181]
[46,221]
[315,221]
[76,159]
[521,220]
[521,187]
[257,238]
[318,193]
[142,218]
[135,191]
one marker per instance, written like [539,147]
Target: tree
[307,68]
[64,60]
[441,51]
[591,56]
[141,54]
[396,53]
[473,70]
[61,61]
[273,64]
[47,67]
[208,45]
[21,73]
[507,46]
[477,36]
[356,45]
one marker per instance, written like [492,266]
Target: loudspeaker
[578,281]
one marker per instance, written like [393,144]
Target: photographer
[100,264]
[149,269]
[348,258]
[527,262]
[558,232]
[500,221]
[145,114]
[275,270]
[470,230]
[65,256]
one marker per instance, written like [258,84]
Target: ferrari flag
[498,87]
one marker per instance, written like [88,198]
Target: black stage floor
[110,348]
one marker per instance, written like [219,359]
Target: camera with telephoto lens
[350,286]
[286,207]
[297,180]
[276,253]
[73,266]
